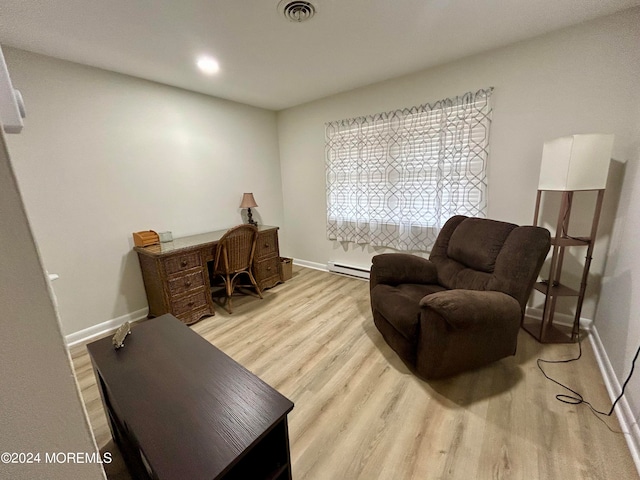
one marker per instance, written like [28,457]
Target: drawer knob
[187,283]
[266,245]
[268,268]
[183,263]
[190,304]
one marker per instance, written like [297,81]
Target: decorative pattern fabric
[394,179]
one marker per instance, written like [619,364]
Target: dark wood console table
[176,277]
[180,408]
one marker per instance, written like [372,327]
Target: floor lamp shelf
[544,330]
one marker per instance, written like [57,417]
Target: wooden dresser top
[190,242]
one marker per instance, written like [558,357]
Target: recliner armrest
[397,268]
[463,309]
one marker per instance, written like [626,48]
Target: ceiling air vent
[296,10]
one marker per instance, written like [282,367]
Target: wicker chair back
[234,256]
[236,249]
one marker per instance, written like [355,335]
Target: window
[394,178]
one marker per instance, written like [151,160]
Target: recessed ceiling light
[208,65]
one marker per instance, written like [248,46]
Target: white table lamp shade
[578,162]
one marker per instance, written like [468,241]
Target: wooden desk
[176,277]
[180,408]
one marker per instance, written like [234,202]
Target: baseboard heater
[336,267]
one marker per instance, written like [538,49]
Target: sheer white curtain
[394,178]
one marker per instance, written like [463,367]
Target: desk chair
[234,256]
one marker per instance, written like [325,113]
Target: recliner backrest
[483,254]
[476,243]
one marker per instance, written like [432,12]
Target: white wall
[104,155]
[578,80]
[40,407]
[618,314]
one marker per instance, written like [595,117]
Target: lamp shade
[248,201]
[578,162]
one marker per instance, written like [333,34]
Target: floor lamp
[569,164]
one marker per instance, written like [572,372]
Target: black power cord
[577,398]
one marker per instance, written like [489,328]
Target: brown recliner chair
[462,308]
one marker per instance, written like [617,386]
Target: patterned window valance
[394,178]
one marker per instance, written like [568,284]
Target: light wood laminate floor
[361,414]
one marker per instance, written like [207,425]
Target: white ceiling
[268,61]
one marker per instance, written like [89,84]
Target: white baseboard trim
[349,270]
[623,409]
[314,265]
[90,333]
[324,268]
[560,318]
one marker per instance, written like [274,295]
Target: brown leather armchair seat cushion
[461,308]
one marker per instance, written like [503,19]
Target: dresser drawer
[179,263]
[186,282]
[267,272]
[180,306]
[267,244]
[193,316]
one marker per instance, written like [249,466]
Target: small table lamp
[247,202]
